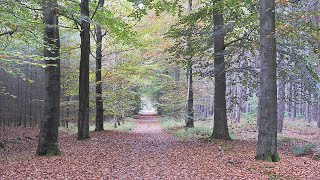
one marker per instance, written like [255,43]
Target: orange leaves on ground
[147,152]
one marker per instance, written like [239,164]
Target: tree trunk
[239,102]
[83,118]
[48,137]
[99,102]
[281,94]
[176,73]
[190,111]
[190,114]
[293,112]
[267,137]
[220,129]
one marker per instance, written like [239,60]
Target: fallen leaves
[147,152]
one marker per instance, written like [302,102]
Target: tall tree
[267,137]
[99,102]
[48,137]
[220,129]
[190,111]
[281,93]
[83,117]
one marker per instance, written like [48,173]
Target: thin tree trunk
[267,137]
[240,100]
[220,128]
[289,102]
[293,108]
[176,73]
[247,102]
[83,117]
[190,111]
[281,94]
[190,114]
[48,137]
[99,102]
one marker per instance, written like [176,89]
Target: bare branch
[95,11]
[8,32]
[244,37]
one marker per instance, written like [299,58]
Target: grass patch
[202,129]
[303,150]
[169,123]
[286,139]
[126,125]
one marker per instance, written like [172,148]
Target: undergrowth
[303,150]
[202,129]
[125,126]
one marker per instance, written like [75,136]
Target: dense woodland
[216,68]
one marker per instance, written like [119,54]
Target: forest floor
[146,152]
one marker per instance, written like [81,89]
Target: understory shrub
[303,150]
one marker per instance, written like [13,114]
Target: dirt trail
[147,152]
[147,124]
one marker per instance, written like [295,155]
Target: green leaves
[114,26]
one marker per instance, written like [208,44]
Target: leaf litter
[146,152]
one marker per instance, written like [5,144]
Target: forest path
[148,124]
[149,151]
[146,152]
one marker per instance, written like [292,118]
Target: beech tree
[220,129]
[267,137]
[48,137]
[99,102]
[190,111]
[83,116]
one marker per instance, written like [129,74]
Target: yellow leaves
[3,56]
[282,27]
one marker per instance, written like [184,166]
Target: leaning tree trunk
[48,137]
[267,137]
[83,117]
[99,102]
[220,129]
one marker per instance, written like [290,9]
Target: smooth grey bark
[267,137]
[83,116]
[239,103]
[307,108]
[99,102]
[48,137]
[176,73]
[281,93]
[293,112]
[190,111]
[281,104]
[220,128]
